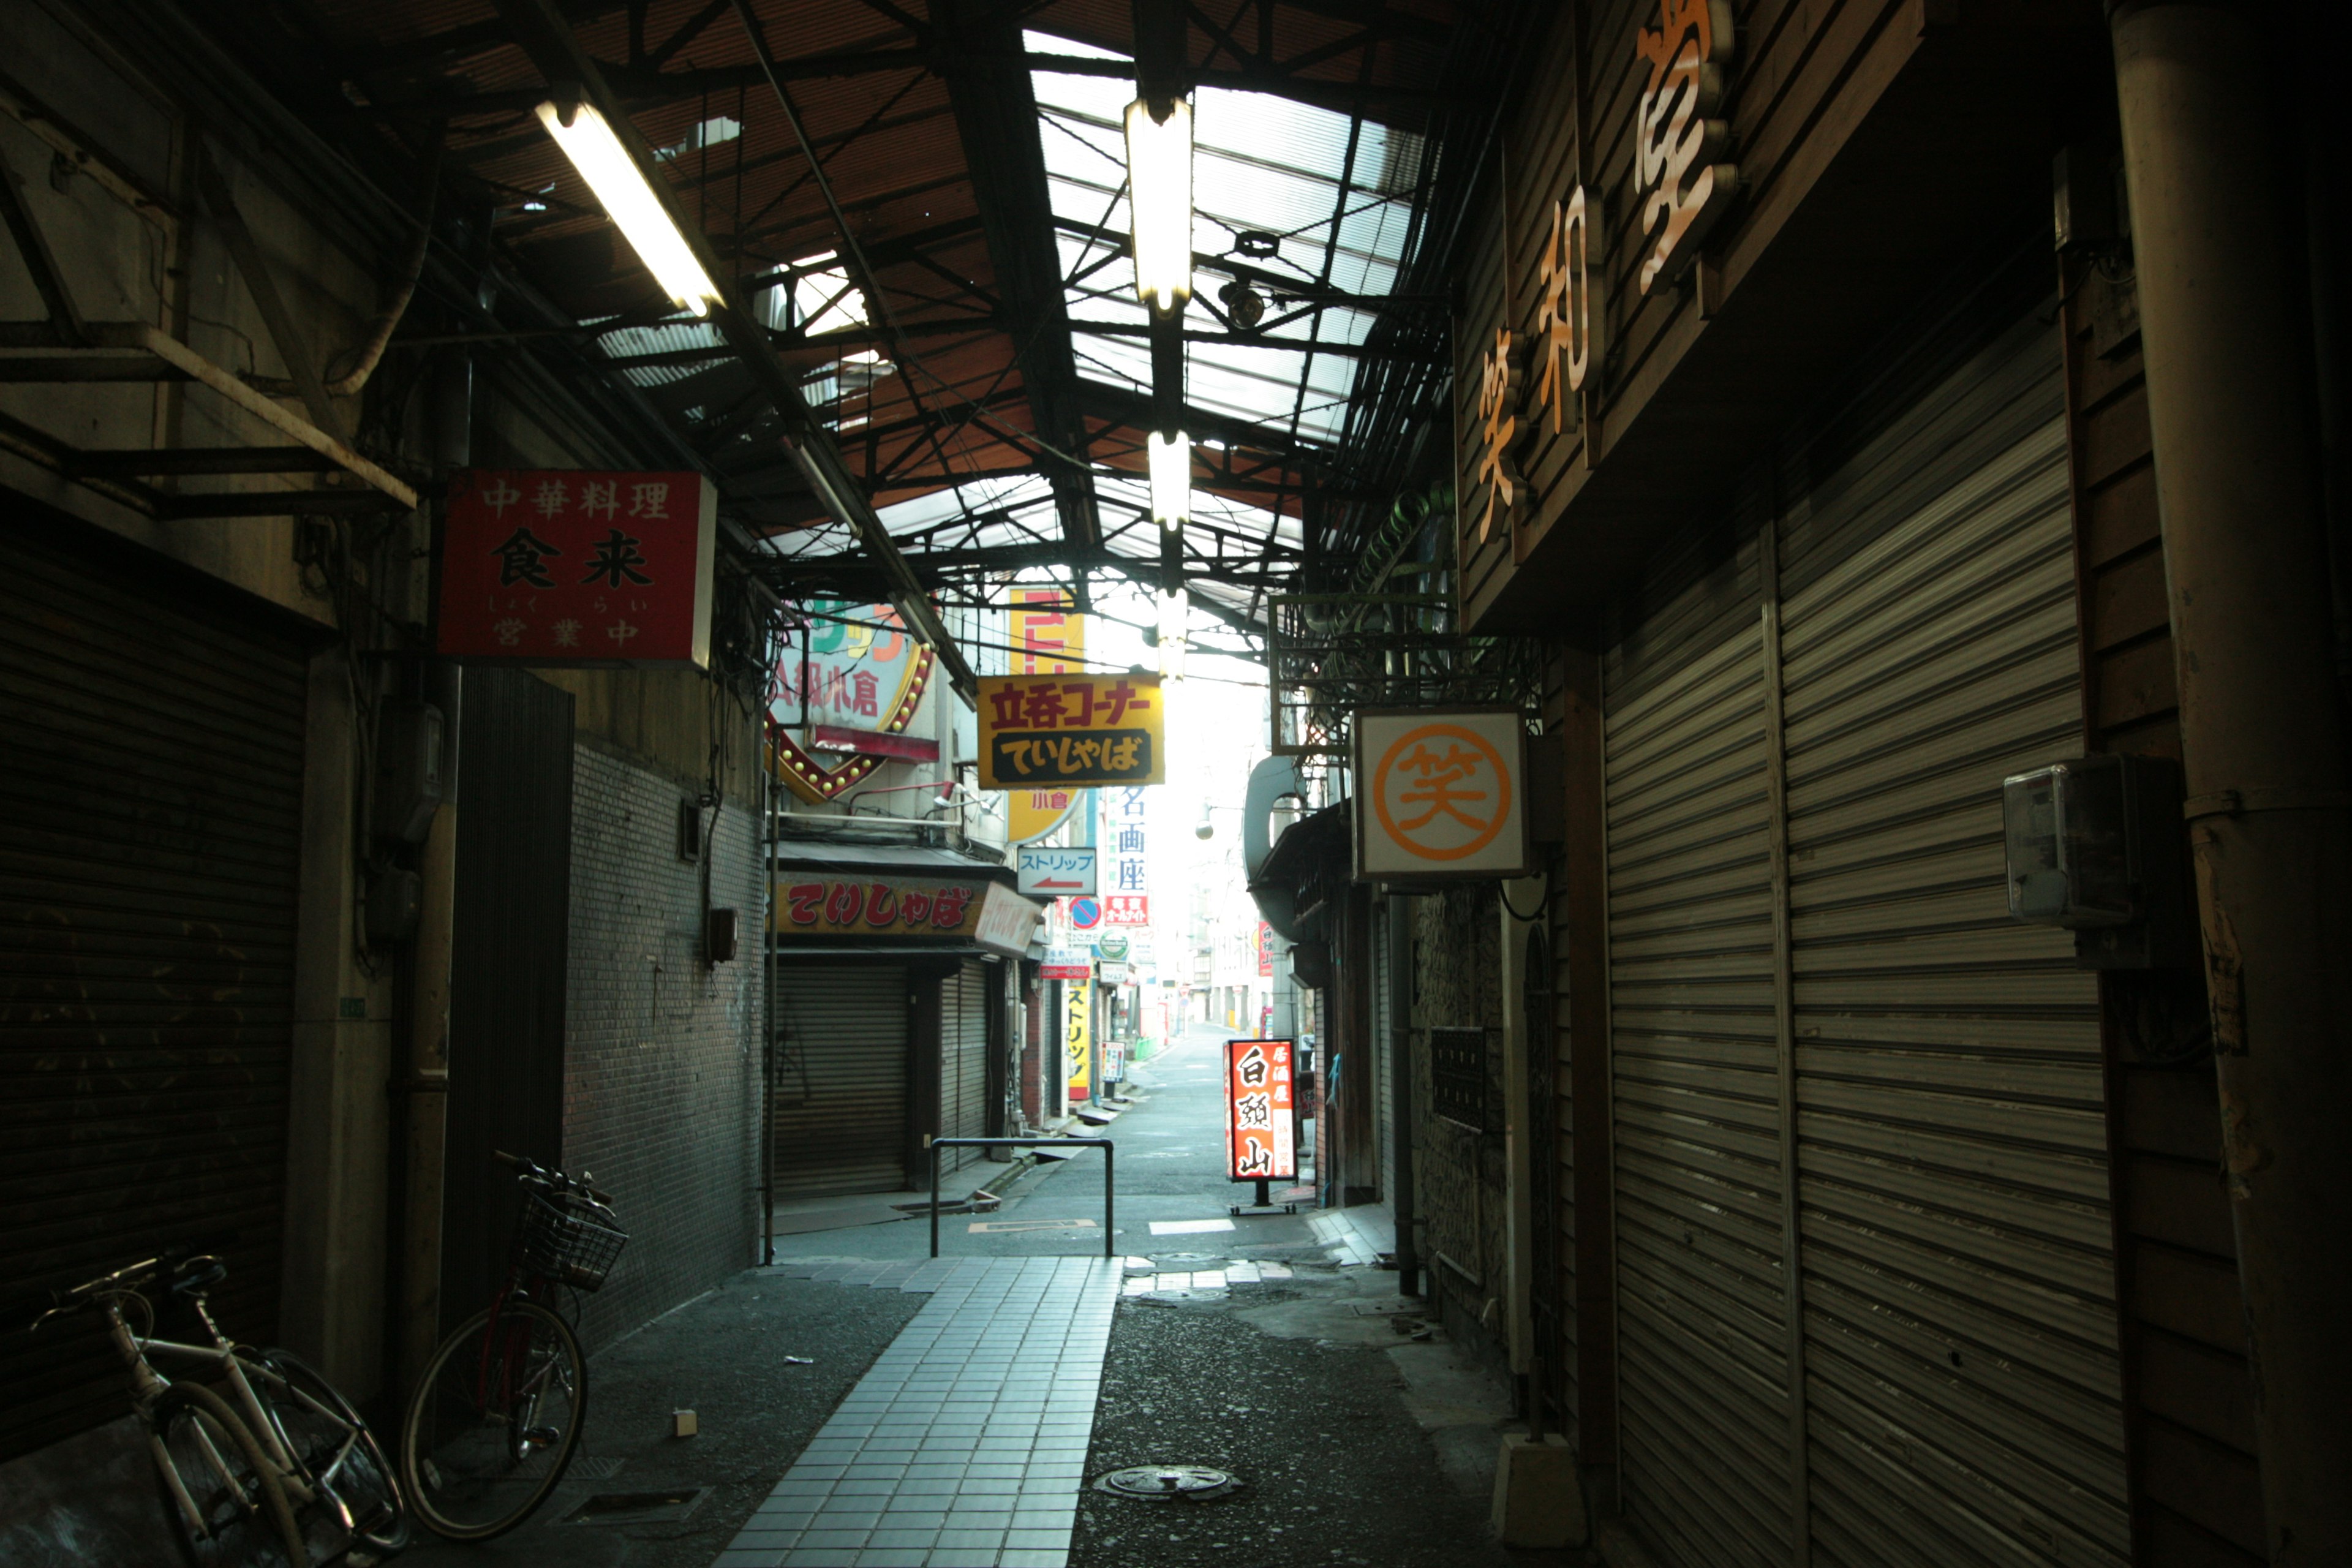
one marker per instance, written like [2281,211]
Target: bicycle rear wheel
[334,1447]
[222,1470]
[494,1422]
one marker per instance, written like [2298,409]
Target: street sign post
[1055,872]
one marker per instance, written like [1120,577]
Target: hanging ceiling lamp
[1159,203]
[620,185]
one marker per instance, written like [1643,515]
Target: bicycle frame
[519,1286]
[301,1485]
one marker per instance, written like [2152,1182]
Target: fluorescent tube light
[631,203]
[1174,606]
[1171,466]
[1160,203]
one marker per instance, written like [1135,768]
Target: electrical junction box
[2094,846]
[408,769]
[719,933]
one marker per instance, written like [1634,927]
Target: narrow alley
[1131,783]
[1022,1365]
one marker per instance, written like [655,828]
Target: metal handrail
[1110,1186]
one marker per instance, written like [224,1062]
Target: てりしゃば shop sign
[565,566]
[901,907]
[1070,730]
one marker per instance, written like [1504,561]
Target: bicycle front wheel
[219,1485]
[335,1449]
[494,1422]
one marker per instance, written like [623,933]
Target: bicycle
[498,1413]
[238,1479]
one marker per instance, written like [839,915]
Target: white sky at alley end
[1216,734]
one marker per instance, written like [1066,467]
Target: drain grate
[1158,1483]
[638,1508]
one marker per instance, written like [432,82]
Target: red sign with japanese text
[1126,908]
[1264,951]
[1072,729]
[569,566]
[1261,1114]
[867,907]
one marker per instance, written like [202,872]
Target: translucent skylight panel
[1119,360]
[1239,194]
[1105,96]
[1313,141]
[822,300]
[1082,147]
[673,337]
[1375,230]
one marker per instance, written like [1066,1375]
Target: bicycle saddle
[198,1275]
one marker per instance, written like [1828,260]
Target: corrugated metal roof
[947,433]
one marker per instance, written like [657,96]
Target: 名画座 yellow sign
[1070,730]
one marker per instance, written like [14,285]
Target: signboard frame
[1507,851]
[535,609]
[1278,1059]
[1082,870]
[1021,726]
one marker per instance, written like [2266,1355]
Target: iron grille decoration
[1458,1078]
[1329,654]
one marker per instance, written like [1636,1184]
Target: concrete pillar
[338,1131]
[2222,299]
[427,1082]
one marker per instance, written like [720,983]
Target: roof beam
[996,118]
[1305,291]
[1124,406]
[935,567]
[549,41]
[1260,341]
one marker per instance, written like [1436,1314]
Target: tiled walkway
[965,1445]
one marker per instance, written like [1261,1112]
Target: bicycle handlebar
[532,1171]
[33,1310]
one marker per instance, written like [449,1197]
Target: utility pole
[2224,300]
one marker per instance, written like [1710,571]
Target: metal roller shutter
[1703,1366]
[151,811]
[841,1100]
[1962,1371]
[964,1060]
[1384,1043]
[1831,1047]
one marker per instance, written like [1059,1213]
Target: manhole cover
[1193,1483]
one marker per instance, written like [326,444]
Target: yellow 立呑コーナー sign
[1070,730]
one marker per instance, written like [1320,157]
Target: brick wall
[661,1064]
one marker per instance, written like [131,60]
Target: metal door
[842,1082]
[964,1060]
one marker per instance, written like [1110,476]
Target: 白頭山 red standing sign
[571,566]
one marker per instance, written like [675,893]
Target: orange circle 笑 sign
[1453,791]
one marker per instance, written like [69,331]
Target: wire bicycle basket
[569,1238]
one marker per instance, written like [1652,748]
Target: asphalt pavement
[1273,1347]
[1170,1170]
